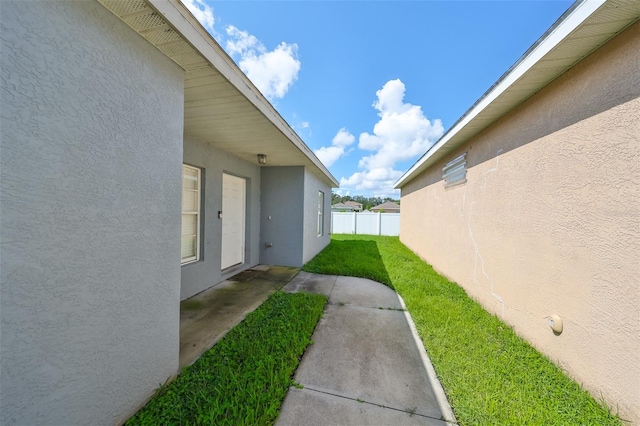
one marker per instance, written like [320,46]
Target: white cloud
[402,133]
[302,126]
[299,124]
[241,42]
[273,72]
[378,182]
[330,154]
[343,138]
[203,13]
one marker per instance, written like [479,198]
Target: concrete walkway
[367,365]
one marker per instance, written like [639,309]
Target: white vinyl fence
[368,223]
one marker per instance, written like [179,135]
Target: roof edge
[183,21]
[571,19]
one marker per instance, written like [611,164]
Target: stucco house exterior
[530,200]
[130,181]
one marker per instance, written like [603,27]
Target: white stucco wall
[548,221]
[200,275]
[312,244]
[91,154]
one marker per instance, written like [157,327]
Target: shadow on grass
[474,353]
[356,258]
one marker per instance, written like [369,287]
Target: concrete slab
[368,354]
[246,275]
[309,407]
[281,274]
[363,292]
[206,317]
[261,268]
[311,283]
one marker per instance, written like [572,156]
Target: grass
[490,375]
[244,378]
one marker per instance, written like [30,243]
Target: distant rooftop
[389,206]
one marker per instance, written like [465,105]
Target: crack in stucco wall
[475,243]
[475,265]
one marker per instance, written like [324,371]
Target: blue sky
[371,85]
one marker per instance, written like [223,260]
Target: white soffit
[221,105]
[584,27]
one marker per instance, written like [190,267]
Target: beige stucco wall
[549,221]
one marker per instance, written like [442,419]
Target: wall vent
[455,171]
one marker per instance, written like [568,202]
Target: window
[455,171]
[320,213]
[190,241]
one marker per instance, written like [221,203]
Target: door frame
[227,214]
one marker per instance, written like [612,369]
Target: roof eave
[559,32]
[185,24]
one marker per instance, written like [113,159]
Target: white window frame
[320,213]
[197,213]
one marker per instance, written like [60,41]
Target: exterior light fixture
[262,159]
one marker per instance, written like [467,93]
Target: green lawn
[490,375]
[244,378]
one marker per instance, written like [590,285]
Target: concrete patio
[206,317]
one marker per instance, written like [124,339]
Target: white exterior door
[233,218]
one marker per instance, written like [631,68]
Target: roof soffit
[221,106]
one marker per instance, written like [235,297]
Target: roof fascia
[188,27]
[564,26]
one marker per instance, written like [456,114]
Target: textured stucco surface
[312,244]
[549,221]
[91,153]
[289,216]
[281,222]
[201,275]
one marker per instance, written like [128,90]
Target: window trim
[198,214]
[320,224]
